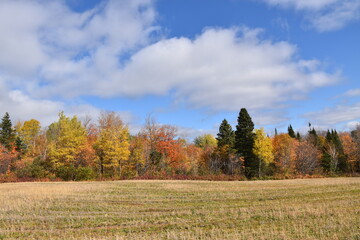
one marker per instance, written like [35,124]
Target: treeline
[69,149]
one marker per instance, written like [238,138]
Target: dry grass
[285,209]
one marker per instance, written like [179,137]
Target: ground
[284,209]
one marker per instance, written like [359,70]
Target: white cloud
[22,107]
[52,51]
[353,92]
[352,125]
[191,133]
[45,36]
[223,69]
[46,43]
[302,4]
[335,115]
[339,16]
[269,118]
[324,15]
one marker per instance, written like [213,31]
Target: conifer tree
[244,142]
[20,146]
[291,132]
[298,136]
[7,133]
[226,135]
[334,158]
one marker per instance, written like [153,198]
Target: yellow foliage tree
[29,132]
[263,149]
[112,145]
[66,138]
[137,159]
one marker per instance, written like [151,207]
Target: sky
[189,63]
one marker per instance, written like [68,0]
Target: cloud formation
[110,51]
[23,107]
[44,43]
[334,115]
[324,15]
[352,93]
[223,69]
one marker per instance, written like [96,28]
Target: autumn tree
[167,147]
[194,159]
[160,147]
[205,140]
[284,148]
[66,138]
[29,132]
[351,151]
[112,145]
[307,158]
[244,142]
[7,134]
[355,135]
[137,156]
[263,150]
[6,160]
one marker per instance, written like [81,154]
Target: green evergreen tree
[298,136]
[276,132]
[244,142]
[226,135]
[314,138]
[291,132]
[20,146]
[313,132]
[333,140]
[7,133]
[342,165]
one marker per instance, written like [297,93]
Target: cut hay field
[284,209]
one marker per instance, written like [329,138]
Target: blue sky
[189,63]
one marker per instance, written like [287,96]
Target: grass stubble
[154,209]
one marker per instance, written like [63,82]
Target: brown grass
[157,209]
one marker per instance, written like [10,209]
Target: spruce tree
[332,138]
[244,142]
[313,138]
[20,146]
[291,132]
[226,135]
[7,134]
[298,136]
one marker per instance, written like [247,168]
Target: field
[284,209]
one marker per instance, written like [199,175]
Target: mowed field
[285,209]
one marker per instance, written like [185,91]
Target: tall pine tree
[291,132]
[7,133]
[226,135]
[244,142]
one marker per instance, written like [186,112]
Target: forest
[70,149]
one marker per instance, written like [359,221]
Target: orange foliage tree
[351,150]
[284,148]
